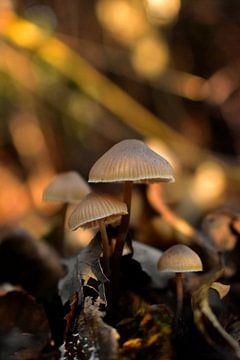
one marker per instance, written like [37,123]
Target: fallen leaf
[222,289]
[222,227]
[28,262]
[148,257]
[147,333]
[207,322]
[24,329]
[84,274]
[90,337]
[86,335]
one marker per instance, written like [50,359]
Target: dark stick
[106,248]
[117,254]
[60,241]
[179,295]
[123,228]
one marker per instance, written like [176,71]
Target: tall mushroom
[179,259]
[67,188]
[97,210]
[130,161]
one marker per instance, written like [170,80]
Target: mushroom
[179,259]
[221,229]
[97,210]
[67,188]
[130,161]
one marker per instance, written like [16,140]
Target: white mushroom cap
[95,207]
[179,258]
[131,160]
[68,187]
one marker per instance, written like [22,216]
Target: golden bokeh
[162,12]
[22,128]
[150,56]
[123,19]
[14,197]
[161,148]
[208,184]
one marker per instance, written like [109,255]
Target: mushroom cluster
[128,162]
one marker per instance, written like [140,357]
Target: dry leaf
[34,265]
[207,322]
[222,289]
[24,329]
[222,227]
[148,257]
[150,331]
[90,337]
[86,335]
[84,273]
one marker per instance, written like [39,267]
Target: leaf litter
[144,329]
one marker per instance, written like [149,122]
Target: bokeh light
[161,148]
[22,128]
[123,19]
[208,184]
[150,56]
[14,197]
[42,15]
[162,12]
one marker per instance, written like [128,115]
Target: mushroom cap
[68,187]
[179,258]
[94,207]
[131,160]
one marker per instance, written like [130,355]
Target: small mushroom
[97,210]
[179,259]
[67,188]
[222,228]
[130,161]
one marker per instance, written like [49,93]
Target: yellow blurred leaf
[69,63]
[133,343]
[221,289]
[207,322]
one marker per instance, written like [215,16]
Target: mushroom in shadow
[66,188]
[179,259]
[97,210]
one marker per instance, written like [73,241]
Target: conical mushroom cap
[131,160]
[95,207]
[68,187]
[180,258]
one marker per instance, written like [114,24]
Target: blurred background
[78,76]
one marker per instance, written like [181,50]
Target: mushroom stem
[156,200]
[60,241]
[106,247]
[179,294]
[123,228]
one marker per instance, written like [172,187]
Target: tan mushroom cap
[179,258]
[95,207]
[131,160]
[68,187]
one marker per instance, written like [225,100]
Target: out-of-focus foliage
[84,272]
[77,78]
[207,322]
[148,332]
[24,329]
[90,337]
